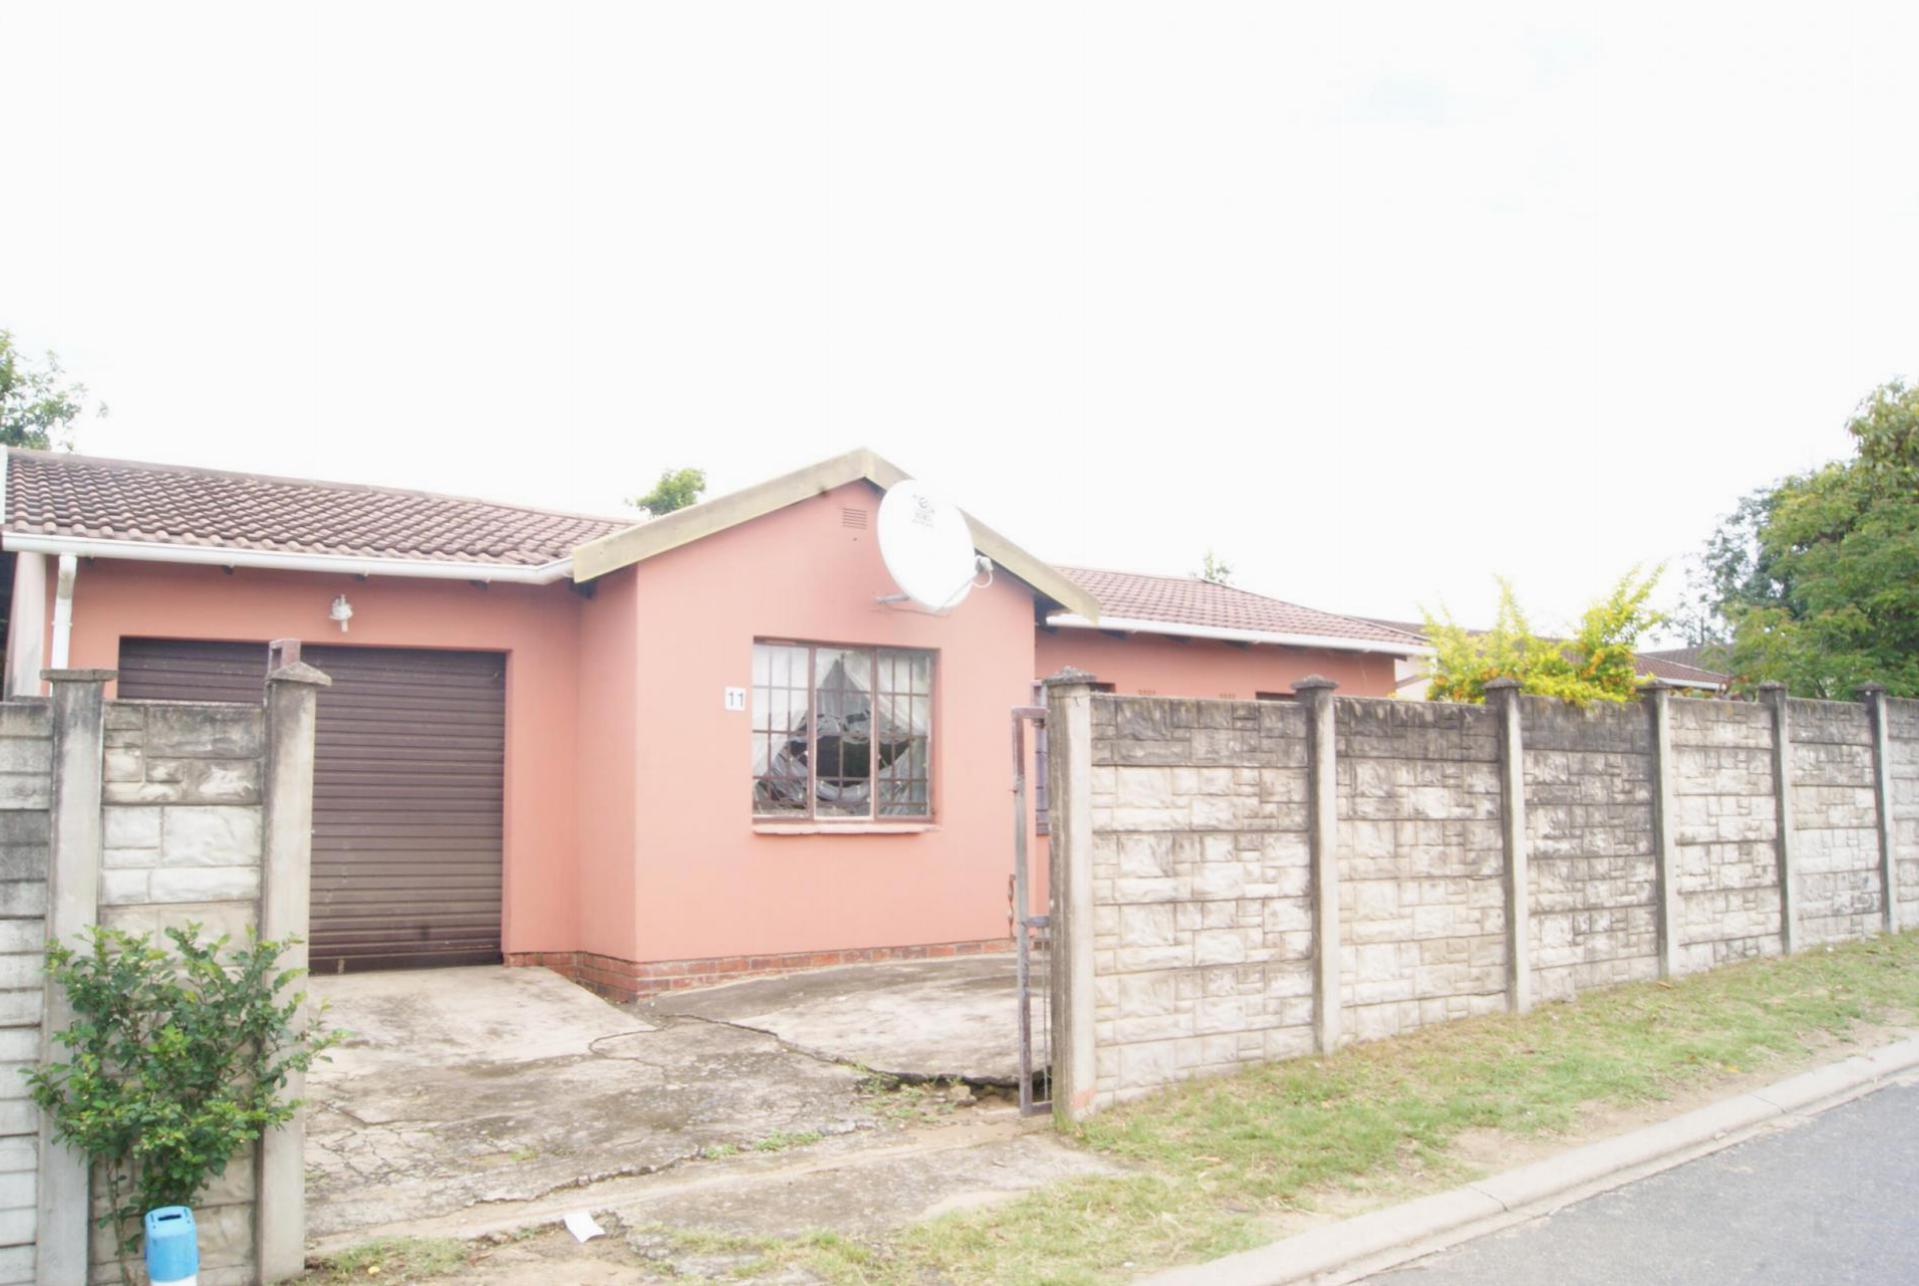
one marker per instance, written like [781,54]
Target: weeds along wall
[1235,882]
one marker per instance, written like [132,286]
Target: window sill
[844,828]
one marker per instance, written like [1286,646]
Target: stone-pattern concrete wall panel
[1421,864]
[1589,824]
[1727,832]
[1835,816]
[1203,857]
[26,775]
[1902,725]
[181,819]
[1202,928]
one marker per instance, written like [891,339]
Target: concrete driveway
[495,1087]
[920,1019]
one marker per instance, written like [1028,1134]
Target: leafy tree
[1216,570]
[1816,579]
[676,489]
[1596,664]
[37,406]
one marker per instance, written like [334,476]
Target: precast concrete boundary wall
[144,816]
[1240,881]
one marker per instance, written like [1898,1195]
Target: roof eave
[1324,642]
[274,560]
[710,517]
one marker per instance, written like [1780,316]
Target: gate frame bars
[1024,923]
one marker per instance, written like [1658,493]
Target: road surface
[1835,1200]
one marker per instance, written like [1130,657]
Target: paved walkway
[1835,1200]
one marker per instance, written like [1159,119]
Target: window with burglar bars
[842,733]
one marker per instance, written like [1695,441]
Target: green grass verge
[392,1259]
[1216,1159]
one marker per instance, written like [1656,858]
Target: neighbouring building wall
[1203,936]
[1421,897]
[1589,832]
[1241,881]
[536,626]
[1835,818]
[1727,832]
[714,892]
[25,790]
[1149,664]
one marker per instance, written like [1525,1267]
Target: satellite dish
[927,546]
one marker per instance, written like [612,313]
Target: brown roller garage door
[409,781]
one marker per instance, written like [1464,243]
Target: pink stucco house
[645,754]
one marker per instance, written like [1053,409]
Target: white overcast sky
[1377,301]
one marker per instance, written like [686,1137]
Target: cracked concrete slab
[447,1017]
[922,1019]
[462,1087]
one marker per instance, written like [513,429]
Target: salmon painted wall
[605,768]
[1168,667]
[712,882]
[536,626]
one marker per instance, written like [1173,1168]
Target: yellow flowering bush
[1596,664]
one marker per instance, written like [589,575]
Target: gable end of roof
[709,517]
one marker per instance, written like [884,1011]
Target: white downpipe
[63,611]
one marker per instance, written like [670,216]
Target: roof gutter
[267,560]
[1331,643]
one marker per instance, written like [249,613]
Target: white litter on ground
[581,1224]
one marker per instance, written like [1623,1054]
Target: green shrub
[177,1060]
[1598,663]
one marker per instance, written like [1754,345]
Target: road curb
[1415,1228]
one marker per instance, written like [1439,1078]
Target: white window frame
[811,816]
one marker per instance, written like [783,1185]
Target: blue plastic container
[173,1247]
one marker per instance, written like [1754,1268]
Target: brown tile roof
[1656,666]
[1188,600]
[1664,665]
[58,494]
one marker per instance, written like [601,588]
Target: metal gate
[1032,934]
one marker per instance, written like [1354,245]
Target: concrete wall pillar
[1776,699]
[1874,696]
[1502,698]
[285,891]
[1322,828]
[78,704]
[1069,773]
[1665,827]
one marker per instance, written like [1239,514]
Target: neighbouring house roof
[59,502]
[1707,657]
[1675,665]
[695,522]
[1657,665]
[1191,607]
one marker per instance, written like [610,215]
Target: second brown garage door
[409,783]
